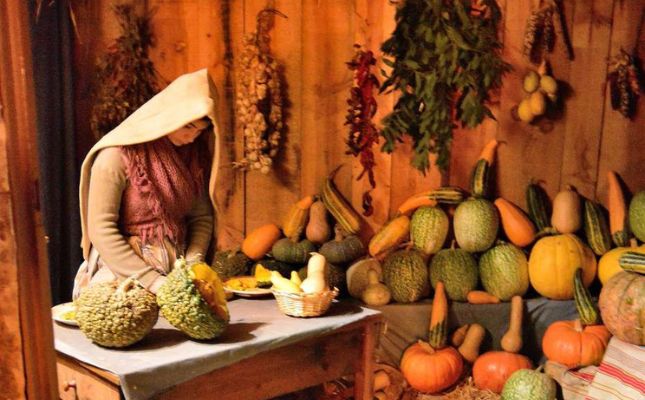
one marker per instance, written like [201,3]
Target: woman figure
[146,188]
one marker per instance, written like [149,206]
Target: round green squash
[637,215]
[231,263]
[406,275]
[428,229]
[504,271]
[343,251]
[457,269]
[291,252]
[622,306]
[527,384]
[476,223]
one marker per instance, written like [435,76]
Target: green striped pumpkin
[637,215]
[475,224]
[596,228]
[428,229]
[504,271]
[586,308]
[633,262]
[457,269]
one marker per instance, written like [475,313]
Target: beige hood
[187,98]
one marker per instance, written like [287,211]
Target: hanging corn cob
[625,83]
[260,99]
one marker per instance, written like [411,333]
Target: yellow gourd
[376,293]
[283,284]
[295,278]
[315,281]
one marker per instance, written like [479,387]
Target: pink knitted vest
[163,182]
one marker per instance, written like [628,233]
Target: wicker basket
[305,305]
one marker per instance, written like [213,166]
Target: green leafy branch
[445,60]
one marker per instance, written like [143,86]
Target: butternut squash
[566,216]
[459,335]
[318,229]
[469,349]
[512,340]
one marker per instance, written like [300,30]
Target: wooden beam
[33,294]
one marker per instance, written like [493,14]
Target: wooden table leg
[363,384]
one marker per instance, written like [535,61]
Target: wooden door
[27,368]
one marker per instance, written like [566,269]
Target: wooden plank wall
[314,43]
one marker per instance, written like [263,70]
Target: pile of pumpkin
[408,255]
[324,225]
[560,265]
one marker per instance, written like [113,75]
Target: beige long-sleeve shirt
[108,181]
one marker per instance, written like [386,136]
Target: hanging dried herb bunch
[446,59]
[363,134]
[540,33]
[259,97]
[125,76]
[625,83]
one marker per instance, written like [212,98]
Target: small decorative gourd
[376,293]
[315,281]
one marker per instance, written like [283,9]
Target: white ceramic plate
[60,310]
[258,292]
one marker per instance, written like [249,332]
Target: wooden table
[347,350]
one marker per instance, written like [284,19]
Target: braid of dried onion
[259,99]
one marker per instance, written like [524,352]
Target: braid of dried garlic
[259,100]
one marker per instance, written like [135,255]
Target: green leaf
[457,38]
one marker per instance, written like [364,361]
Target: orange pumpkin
[429,370]
[432,369]
[260,241]
[573,345]
[492,369]
[517,226]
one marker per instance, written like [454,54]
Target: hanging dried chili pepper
[625,83]
[363,134]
